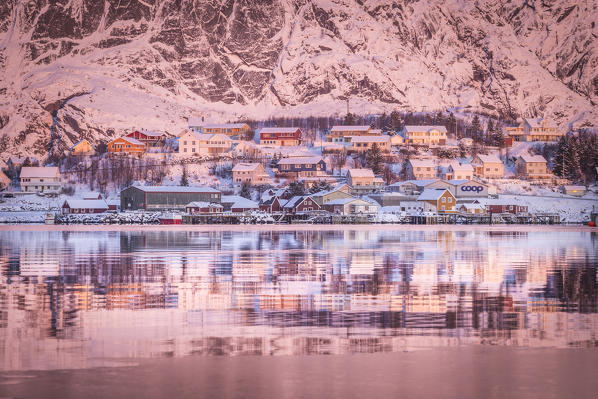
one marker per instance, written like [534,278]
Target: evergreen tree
[475,129]
[245,190]
[350,119]
[451,123]
[296,189]
[439,120]
[374,159]
[490,128]
[184,178]
[395,121]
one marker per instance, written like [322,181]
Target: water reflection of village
[69,297]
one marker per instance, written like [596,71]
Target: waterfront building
[157,198]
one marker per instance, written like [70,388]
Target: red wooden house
[506,208]
[149,138]
[272,205]
[280,136]
[301,204]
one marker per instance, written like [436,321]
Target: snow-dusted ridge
[152,64]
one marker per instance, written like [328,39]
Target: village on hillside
[421,173]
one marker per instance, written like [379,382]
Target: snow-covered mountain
[102,66]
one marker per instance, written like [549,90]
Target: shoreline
[301,227]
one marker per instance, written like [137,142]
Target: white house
[193,143]
[37,179]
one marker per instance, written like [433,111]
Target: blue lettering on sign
[477,189]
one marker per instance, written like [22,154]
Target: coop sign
[476,189]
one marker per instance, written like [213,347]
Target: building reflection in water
[68,299]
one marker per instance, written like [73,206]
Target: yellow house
[252,173]
[425,135]
[363,181]
[192,143]
[83,148]
[473,209]
[343,134]
[438,200]
[364,143]
[539,129]
[531,167]
[241,130]
[421,169]
[489,166]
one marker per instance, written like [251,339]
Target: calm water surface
[89,299]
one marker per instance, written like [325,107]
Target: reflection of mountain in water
[285,292]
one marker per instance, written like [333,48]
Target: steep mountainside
[91,68]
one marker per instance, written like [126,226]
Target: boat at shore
[50,218]
[170,218]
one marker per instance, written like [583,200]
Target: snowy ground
[570,209]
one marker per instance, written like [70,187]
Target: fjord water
[299,313]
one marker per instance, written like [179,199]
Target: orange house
[126,145]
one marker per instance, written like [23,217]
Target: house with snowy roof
[421,169]
[252,173]
[301,204]
[472,209]
[424,135]
[576,191]
[540,129]
[364,143]
[78,206]
[126,145]
[530,166]
[325,196]
[457,171]
[343,134]
[83,148]
[489,166]
[236,203]
[280,136]
[202,207]
[437,200]
[157,198]
[363,181]
[239,130]
[301,167]
[410,187]
[352,206]
[38,179]
[193,143]
[148,137]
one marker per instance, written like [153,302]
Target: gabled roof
[490,158]
[86,204]
[370,139]
[537,122]
[245,167]
[361,173]
[222,125]
[239,202]
[279,129]
[176,189]
[294,201]
[202,204]
[344,201]
[422,163]
[151,133]
[300,160]
[419,183]
[39,171]
[461,167]
[527,157]
[421,128]
[352,128]
[130,140]
[80,141]
[431,194]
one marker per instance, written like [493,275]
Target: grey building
[156,198]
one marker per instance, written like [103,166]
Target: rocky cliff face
[89,68]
